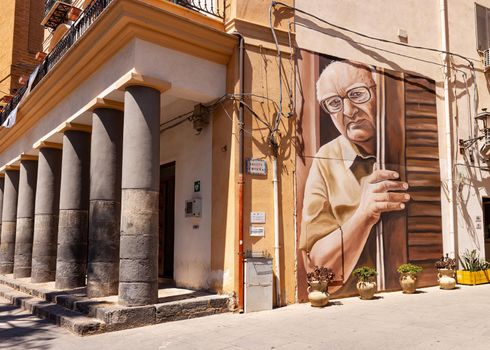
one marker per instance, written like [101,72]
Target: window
[482,27]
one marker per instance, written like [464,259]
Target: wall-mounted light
[484,119]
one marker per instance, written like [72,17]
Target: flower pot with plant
[366,286]
[446,275]
[318,281]
[408,277]
[475,270]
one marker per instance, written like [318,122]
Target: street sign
[256,167]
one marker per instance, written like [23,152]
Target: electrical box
[193,208]
[258,284]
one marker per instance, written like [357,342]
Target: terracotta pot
[408,282]
[317,293]
[446,279]
[366,289]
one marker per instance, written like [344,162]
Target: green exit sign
[197,186]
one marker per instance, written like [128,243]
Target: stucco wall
[206,83]
[193,160]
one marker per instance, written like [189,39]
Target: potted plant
[408,277]
[475,270]
[318,281]
[446,275]
[366,286]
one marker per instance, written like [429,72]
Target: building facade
[167,141]
[20,23]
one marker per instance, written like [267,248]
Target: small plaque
[257,231]
[257,217]
[257,167]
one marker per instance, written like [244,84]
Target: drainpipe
[447,114]
[241,181]
[277,257]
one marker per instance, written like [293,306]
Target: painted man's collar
[350,152]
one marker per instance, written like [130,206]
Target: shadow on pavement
[21,330]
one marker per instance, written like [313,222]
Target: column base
[103,254]
[71,262]
[44,248]
[7,247]
[23,248]
[138,270]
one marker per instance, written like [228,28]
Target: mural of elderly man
[345,192]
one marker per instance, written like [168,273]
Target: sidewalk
[431,319]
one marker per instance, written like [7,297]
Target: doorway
[166,223]
[486,225]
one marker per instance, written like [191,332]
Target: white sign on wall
[257,231]
[257,217]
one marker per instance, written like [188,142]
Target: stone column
[46,211]
[138,269]
[2,184]
[25,218]
[9,218]
[105,202]
[71,260]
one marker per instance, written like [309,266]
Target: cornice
[155,21]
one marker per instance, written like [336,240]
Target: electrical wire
[188,116]
[469,60]
[278,60]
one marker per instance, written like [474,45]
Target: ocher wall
[251,19]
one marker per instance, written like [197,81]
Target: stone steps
[82,316]
[74,322]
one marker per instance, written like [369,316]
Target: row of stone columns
[88,213]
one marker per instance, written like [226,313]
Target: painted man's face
[348,93]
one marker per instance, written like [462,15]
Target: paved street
[431,319]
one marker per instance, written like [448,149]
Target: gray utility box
[258,284]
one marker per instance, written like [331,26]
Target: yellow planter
[472,278]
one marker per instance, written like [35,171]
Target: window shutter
[482,19]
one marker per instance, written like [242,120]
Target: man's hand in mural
[377,198]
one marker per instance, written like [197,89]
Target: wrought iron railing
[48,5]
[89,15]
[210,7]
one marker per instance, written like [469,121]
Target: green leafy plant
[364,273]
[446,263]
[322,274]
[470,261]
[409,268]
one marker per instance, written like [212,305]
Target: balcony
[212,8]
[55,12]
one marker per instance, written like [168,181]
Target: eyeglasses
[357,95]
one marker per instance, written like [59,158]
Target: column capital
[46,144]
[74,127]
[28,157]
[97,103]
[10,167]
[133,78]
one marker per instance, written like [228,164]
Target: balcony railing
[48,5]
[88,16]
[210,7]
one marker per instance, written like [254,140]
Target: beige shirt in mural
[332,190]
